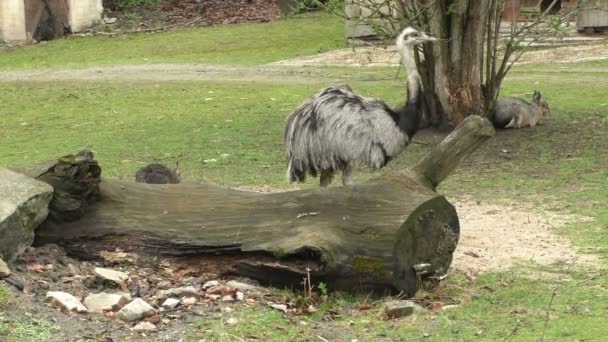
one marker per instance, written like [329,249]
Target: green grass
[30,329]
[560,165]
[5,296]
[247,43]
[129,125]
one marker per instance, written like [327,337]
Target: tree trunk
[451,68]
[385,234]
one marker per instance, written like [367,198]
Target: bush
[128,4]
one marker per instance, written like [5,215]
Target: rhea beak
[424,38]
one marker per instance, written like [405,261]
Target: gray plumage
[336,128]
[158,174]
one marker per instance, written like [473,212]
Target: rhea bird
[336,128]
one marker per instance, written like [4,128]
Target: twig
[15,282]
[553,295]
[513,331]
[322,339]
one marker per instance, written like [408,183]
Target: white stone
[102,302]
[145,326]
[111,275]
[227,298]
[170,303]
[232,321]
[210,283]
[179,292]
[136,310]
[24,204]
[188,301]
[242,286]
[65,301]
[240,296]
[4,270]
[399,308]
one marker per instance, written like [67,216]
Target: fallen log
[385,234]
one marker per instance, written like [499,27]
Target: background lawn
[246,43]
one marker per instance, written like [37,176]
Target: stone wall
[20,19]
[12,20]
[84,13]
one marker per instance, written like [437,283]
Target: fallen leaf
[224,290]
[35,266]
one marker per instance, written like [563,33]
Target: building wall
[84,13]
[12,20]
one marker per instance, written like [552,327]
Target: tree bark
[453,65]
[386,234]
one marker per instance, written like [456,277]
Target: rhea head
[412,36]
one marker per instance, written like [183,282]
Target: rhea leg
[326,176]
[347,175]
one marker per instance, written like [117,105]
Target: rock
[111,275]
[136,310]
[109,20]
[170,303]
[145,326]
[101,302]
[24,204]
[240,296]
[228,298]
[4,270]
[242,286]
[399,308]
[448,307]
[179,292]
[232,321]
[221,289]
[189,301]
[153,319]
[281,307]
[210,283]
[65,301]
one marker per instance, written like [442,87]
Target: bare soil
[382,56]
[494,237]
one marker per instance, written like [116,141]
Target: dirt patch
[177,72]
[387,56]
[493,237]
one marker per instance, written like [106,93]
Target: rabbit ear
[536,95]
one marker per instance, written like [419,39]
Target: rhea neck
[406,116]
[413,77]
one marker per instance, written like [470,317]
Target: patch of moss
[364,264]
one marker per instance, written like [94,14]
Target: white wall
[84,13]
[12,20]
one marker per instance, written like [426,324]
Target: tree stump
[385,234]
